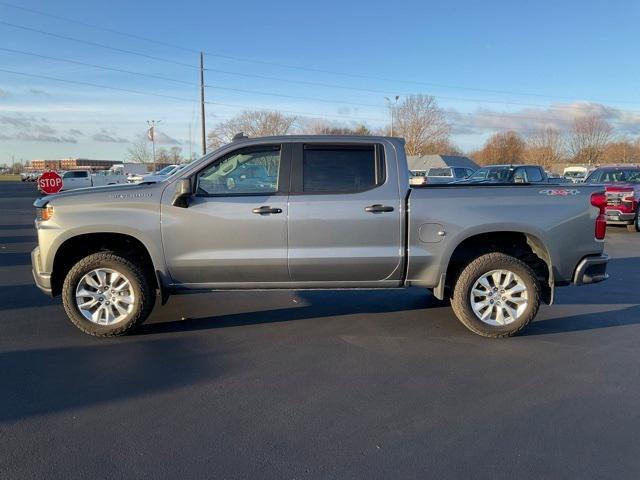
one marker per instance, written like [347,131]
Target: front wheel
[106,295]
[496,295]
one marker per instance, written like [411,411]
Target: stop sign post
[50,182]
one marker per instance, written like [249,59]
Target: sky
[491,65]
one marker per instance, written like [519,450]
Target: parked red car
[622,186]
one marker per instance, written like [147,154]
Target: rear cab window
[339,168]
[534,174]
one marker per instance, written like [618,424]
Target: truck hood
[127,190]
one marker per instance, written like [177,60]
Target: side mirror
[518,179]
[182,194]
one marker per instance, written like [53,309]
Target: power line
[275,94]
[96,27]
[183,99]
[94,85]
[289,66]
[103,67]
[95,44]
[293,112]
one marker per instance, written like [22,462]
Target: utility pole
[151,133]
[204,130]
[392,107]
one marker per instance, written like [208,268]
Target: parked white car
[84,178]
[155,176]
[577,174]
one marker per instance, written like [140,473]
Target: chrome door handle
[378,208]
[266,210]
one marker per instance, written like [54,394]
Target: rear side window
[439,172]
[534,174]
[75,175]
[340,169]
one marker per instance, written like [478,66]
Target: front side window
[340,169]
[243,172]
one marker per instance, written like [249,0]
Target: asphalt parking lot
[358,384]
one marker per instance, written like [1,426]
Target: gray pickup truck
[304,212]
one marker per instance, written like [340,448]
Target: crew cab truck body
[328,212]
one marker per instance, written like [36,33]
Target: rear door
[345,214]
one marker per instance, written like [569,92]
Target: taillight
[599,200]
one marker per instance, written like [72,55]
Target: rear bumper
[619,216]
[43,280]
[591,269]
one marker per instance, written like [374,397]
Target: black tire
[635,226]
[142,287]
[461,298]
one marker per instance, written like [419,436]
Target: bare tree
[326,129]
[252,123]
[546,148]
[622,151]
[501,148]
[139,152]
[421,122]
[589,137]
[443,147]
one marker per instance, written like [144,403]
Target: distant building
[72,164]
[425,162]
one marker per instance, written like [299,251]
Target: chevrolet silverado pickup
[622,187]
[305,212]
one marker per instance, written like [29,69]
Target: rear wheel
[496,295]
[107,295]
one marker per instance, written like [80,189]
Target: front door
[345,215]
[235,227]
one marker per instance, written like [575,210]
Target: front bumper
[43,280]
[591,269]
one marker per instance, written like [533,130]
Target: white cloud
[560,116]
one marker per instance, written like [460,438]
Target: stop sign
[50,182]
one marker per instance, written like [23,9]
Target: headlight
[45,213]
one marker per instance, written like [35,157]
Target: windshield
[575,174]
[439,172]
[166,170]
[615,175]
[492,174]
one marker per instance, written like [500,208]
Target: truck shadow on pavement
[316,304]
[13,297]
[621,291]
[589,321]
[39,382]
[13,259]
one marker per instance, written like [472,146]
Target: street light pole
[392,107]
